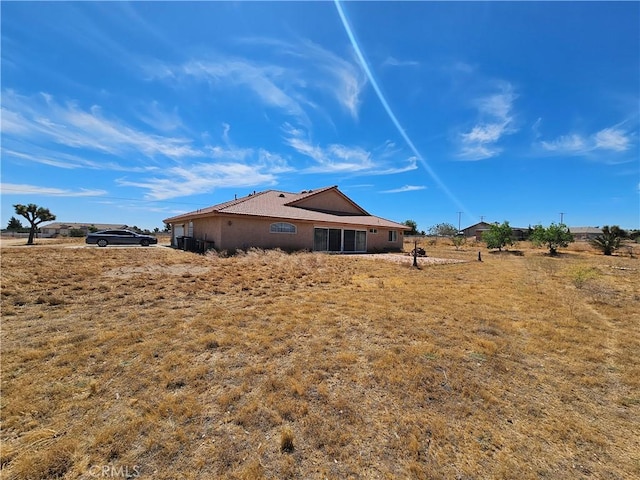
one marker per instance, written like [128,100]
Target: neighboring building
[320,220]
[478,229]
[585,233]
[63,229]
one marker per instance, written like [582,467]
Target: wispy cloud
[67,161]
[23,189]
[41,130]
[158,118]
[337,158]
[279,84]
[42,119]
[200,178]
[495,120]
[394,62]
[612,139]
[406,188]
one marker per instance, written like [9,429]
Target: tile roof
[282,205]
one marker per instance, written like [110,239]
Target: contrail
[385,104]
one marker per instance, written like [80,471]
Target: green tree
[35,215]
[412,225]
[554,236]
[458,240]
[609,240]
[498,236]
[92,228]
[14,224]
[443,230]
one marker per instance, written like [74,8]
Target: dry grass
[158,363]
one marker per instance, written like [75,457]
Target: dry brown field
[161,364]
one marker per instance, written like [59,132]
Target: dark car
[120,237]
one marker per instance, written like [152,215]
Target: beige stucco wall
[229,232]
[378,242]
[254,232]
[329,201]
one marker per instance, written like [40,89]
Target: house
[478,229]
[64,229]
[319,220]
[585,233]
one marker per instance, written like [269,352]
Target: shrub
[609,240]
[554,236]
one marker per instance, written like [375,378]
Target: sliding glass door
[338,240]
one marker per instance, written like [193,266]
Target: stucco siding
[208,229]
[377,242]
[329,201]
[229,232]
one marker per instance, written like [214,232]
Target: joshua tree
[35,215]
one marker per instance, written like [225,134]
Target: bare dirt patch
[407,259]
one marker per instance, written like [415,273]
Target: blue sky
[135,112]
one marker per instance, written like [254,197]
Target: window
[393,236]
[282,227]
[373,230]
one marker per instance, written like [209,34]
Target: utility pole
[459,214]
[562,218]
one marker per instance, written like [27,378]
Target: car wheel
[144,243]
[102,242]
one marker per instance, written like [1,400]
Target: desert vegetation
[158,363]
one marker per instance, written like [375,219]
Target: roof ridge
[308,193]
[236,201]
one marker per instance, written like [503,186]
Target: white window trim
[394,236]
[271,228]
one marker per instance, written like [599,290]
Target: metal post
[415,253]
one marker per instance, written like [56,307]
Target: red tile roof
[282,205]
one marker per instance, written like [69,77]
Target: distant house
[585,233]
[60,229]
[476,230]
[319,220]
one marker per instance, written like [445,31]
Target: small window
[393,236]
[373,230]
[282,227]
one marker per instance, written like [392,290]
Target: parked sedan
[120,237]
